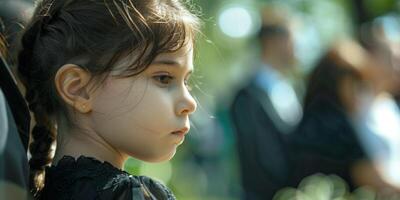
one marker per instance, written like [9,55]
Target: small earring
[85,108]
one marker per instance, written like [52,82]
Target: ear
[72,85]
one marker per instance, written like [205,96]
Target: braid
[31,72]
[43,134]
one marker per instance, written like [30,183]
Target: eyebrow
[167,62]
[170,62]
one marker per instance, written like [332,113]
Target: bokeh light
[236,22]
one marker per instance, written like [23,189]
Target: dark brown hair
[93,34]
[325,78]
[3,46]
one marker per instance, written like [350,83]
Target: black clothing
[13,158]
[14,137]
[16,103]
[325,141]
[87,178]
[260,142]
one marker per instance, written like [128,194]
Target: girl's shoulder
[88,178]
[135,187]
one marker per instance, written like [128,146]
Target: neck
[86,142]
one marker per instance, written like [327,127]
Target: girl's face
[147,116]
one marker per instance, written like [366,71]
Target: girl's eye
[164,79]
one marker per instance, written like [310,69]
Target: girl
[106,79]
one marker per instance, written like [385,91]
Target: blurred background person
[14,113]
[378,123]
[334,136]
[14,136]
[266,109]
[325,140]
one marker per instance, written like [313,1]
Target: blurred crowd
[347,126]
[332,132]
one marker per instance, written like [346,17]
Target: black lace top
[87,178]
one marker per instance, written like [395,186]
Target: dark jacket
[260,143]
[14,135]
[324,142]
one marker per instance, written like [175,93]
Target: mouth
[181,132]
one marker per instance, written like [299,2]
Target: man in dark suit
[266,109]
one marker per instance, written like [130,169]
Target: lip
[180,135]
[181,132]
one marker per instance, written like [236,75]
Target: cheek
[134,110]
[155,109]
[159,98]
[136,118]
[117,96]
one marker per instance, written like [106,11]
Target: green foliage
[376,8]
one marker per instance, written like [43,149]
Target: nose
[186,105]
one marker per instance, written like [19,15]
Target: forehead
[182,57]
[185,52]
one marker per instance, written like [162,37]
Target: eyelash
[159,79]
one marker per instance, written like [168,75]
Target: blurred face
[147,116]
[287,50]
[281,49]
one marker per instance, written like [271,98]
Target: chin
[157,158]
